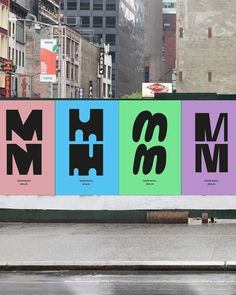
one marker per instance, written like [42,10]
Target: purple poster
[209,148]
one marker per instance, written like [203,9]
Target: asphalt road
[141,283]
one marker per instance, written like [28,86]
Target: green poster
[150,147]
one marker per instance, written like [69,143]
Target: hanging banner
[87,148]
[48,48]
[27,148]
[208,148]
[101,60]
[149,145]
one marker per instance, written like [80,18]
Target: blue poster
[87,147]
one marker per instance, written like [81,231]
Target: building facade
[4,14]
[154,66]
[68,62]
[206,46]
[20,84]
[169,37]
[46,11]
[120,24]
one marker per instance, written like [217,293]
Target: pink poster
[27,148]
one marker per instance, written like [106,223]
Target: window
[13,55]
[76,74]
[97,4]
[180,76]
[105,71]
[72,73]
[97,21]
[9,29]
[113,56]
[110,22]
[17,57]
[20,58]
[111,39]
[84,5]
[67,70]
[111,5]
[72,5]
[146,73]
[209,76]
[9,52]
[109,90]
[181,32]
[23,59]
[20,31]
[113,76]
[169,5]
[104,90]
[109,72]
[85,21]
[68,46]
[209,33]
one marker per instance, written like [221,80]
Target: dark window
[62,5]
[20,58]
[109,72]
[146,73]
[9,29]
[180,76]
[109,90]
[209,33]
[72,5]
[72,73]
[67,70]
[16,57]
[181,32]
[105,71]
[9,52]
[13,55]
[97,4]
[111,39]
[85,21]
[111,5]
[209,76]
[113,56]
[23,59]
[113,76]
[84,5]
[104,90]
[97,21]
[110,22]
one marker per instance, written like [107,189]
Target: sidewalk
[104,245]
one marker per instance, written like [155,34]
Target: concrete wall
[197,54]
[89,67]
[153,39]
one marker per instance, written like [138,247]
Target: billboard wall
[117,147]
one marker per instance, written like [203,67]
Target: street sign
[8,67]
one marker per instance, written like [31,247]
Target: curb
[119,266]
